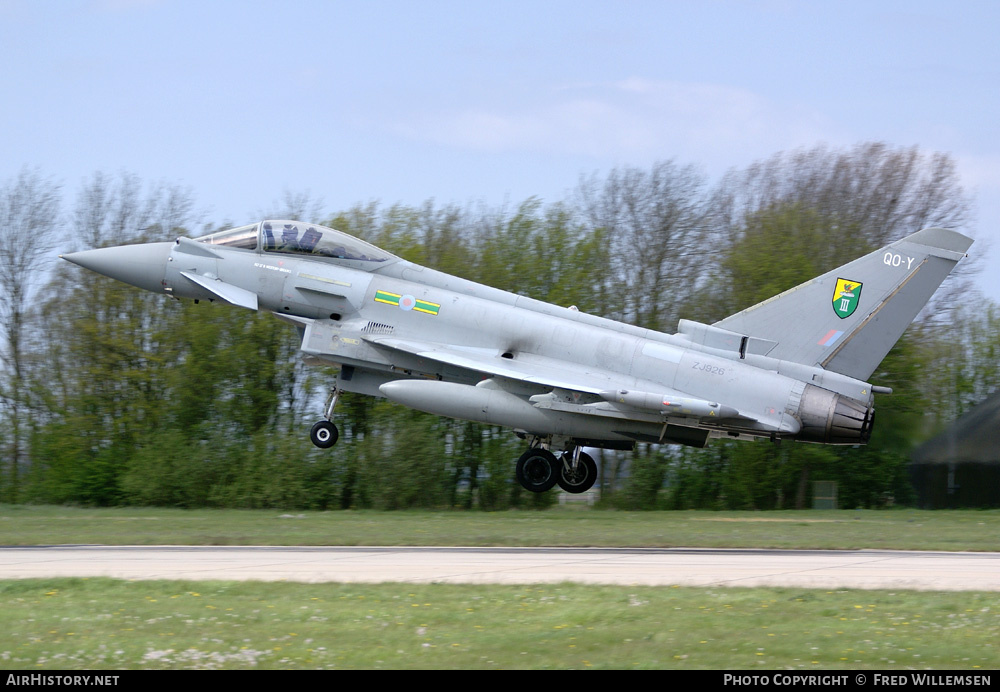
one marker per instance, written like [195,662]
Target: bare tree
[114,211]
[29,217]
[857,199]
[295,206]
[655,223]
[873,189]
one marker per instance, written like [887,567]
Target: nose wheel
[324,434]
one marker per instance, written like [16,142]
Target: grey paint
[897,281]
[453,347]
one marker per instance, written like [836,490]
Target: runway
[827,569]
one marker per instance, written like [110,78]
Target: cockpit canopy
[296,237]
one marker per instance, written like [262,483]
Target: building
[961,466]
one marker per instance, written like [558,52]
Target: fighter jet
[794,367]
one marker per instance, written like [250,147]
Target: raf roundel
[407,302]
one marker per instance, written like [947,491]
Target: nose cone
[141,265]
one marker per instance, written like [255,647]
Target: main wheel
[536,470]
[324,434]
[579,480]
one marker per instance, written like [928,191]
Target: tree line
[114,396]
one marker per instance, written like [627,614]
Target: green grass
[902,529]
[103,624]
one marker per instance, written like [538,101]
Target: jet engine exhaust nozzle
[831,418]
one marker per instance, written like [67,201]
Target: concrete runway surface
[858,569]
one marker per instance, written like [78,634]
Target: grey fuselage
[395,320]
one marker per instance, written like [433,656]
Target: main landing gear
[539,470]
[324,434]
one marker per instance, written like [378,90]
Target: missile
[669,404]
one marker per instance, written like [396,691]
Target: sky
[475,101]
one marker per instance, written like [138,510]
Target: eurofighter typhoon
[792,367]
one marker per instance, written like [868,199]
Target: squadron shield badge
[845,297]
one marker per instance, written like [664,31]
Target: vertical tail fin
[847,320]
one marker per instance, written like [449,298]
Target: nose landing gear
[324,434]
